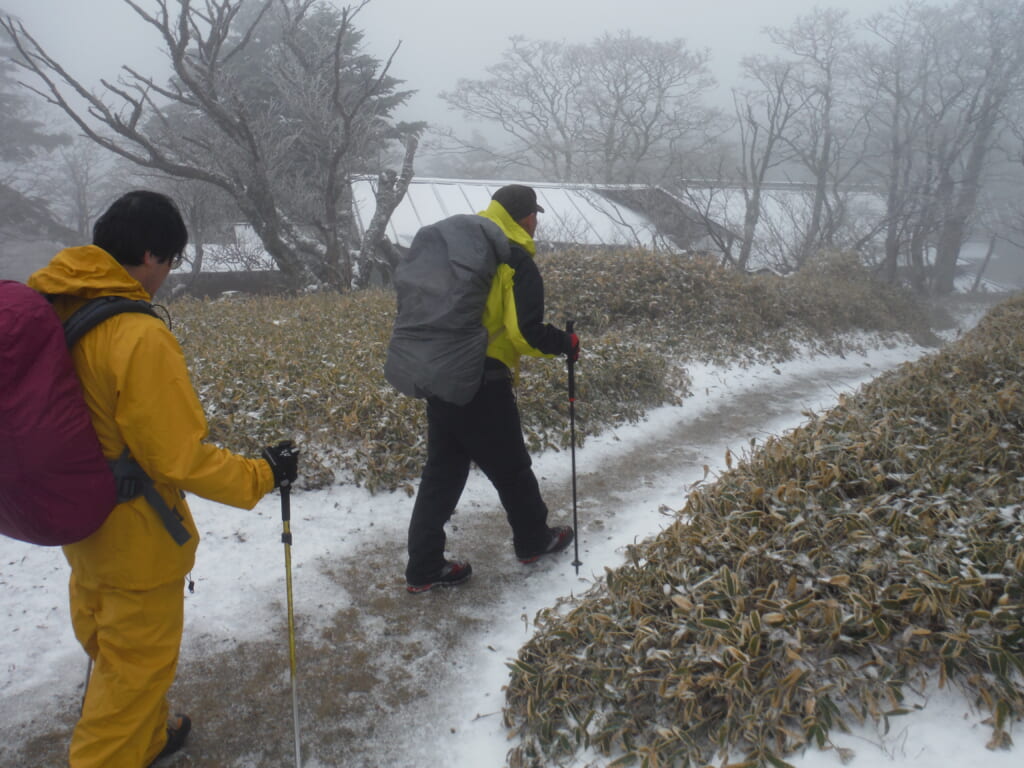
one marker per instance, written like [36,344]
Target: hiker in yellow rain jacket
[127,578]
[487,429]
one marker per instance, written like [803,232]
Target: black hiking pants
[487,431]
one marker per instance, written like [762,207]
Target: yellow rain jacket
[140,396]
[513,315]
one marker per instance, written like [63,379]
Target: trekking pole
[286,539]
[572,442]
[88,675]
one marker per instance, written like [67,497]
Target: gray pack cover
[438,343]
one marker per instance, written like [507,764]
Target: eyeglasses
[177,261]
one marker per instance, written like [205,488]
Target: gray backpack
[438,343]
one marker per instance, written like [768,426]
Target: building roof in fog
[584,214]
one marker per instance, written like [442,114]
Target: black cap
[519,200]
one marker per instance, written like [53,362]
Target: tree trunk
[984,264]
[376,250]
[918,263]
[751,216]
[955,224]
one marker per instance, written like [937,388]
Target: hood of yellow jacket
[86,272]
[496,212]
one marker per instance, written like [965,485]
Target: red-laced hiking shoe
[453,573]
[561,537]
[177,732]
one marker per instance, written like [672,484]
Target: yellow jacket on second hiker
[514,314]
[140,396]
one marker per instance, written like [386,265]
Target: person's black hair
[141,221]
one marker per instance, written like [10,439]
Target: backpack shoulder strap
[132,481]
[95,311]
[131,478]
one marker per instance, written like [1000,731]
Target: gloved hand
[283,459]
[572,342]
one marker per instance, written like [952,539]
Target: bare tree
[79,180]
[24,139]
[621,109]
[84,181]
[898,62]
[820,44]
[207,211]
[937,83]
[643,106]
[280,133]
[710,204]
[989,70]
[1010,206]
[535,96]
[763,115]
[446,154]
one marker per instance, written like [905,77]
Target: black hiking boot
[453,572]
[177,732]
[561,537]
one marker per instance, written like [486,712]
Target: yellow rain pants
[133,638]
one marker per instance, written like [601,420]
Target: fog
[630,103]
[441,41]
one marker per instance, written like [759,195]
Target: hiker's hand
[572,343]
[283,459]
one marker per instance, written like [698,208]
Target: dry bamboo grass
[310,367]
[876,546]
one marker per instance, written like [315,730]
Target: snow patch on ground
[240,595]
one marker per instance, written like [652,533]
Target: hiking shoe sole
[561,538]
[455,572]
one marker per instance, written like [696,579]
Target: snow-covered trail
[387,678]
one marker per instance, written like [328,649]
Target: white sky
[240,570]
[443,40]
